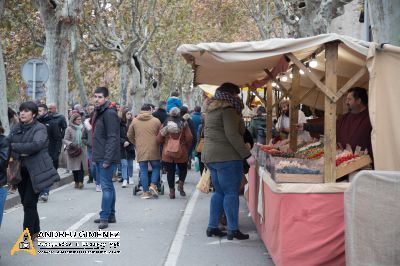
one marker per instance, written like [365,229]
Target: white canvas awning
[244,63]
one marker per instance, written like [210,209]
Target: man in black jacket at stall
[106,152]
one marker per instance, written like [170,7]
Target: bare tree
[58,18]
[293,18]
[75,39]
[124,29]
[3,84]
[260,11]
[384,16]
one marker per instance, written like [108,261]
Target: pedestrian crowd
[105,139]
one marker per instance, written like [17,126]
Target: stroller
[139,187]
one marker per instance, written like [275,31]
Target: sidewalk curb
[13,200]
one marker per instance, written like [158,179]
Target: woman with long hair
[73,139]
[29,145]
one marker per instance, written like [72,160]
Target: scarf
[236,102]
[78,134]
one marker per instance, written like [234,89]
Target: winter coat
[106,135]
[4,158]
[161,114]
[143,134]
[62,124]
[54,134]
[127,152]
[256,123]
[186,117]
[196,118]
[173,102]
[223,134]
[75,163]
[31,140]
[185,141]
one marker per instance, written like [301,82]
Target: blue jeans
[126,168]
[92,167]
[155,175]
[3,196]
[226,177]
[108,196]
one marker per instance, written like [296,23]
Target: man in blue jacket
[106,152]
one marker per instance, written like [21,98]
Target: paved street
[153,232]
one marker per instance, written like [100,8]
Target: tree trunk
[57,19]
[76,65]
[57,52]
[3,93]
[384,16]
[123,63]
[3,84]
[138,87]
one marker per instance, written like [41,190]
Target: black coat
[61,122]
[4,157]
[29,144]
[129,151]
[161,114]
[54,134]
[106,136]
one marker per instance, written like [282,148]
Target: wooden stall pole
[269,114]
[331,55]
[294,109]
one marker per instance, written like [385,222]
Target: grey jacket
[29,144]
[106,136]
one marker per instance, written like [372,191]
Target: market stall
[294,201]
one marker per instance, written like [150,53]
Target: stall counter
[300,224]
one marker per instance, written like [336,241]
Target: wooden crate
[351,167]
[298,178]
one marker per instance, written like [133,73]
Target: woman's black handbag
[74,150]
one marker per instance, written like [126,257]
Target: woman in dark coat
[29,144]
[127,149]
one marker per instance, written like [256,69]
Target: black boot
[215,232]
[237,234]
[103,224]
[111,220]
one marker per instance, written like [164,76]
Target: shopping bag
[205,181]
[196,164]
[14,172]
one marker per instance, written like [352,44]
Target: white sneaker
[98,188]
[125,183]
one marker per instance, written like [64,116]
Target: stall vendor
[283,124]
[354,127]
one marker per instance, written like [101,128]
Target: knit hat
[74,117]
[175,111]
